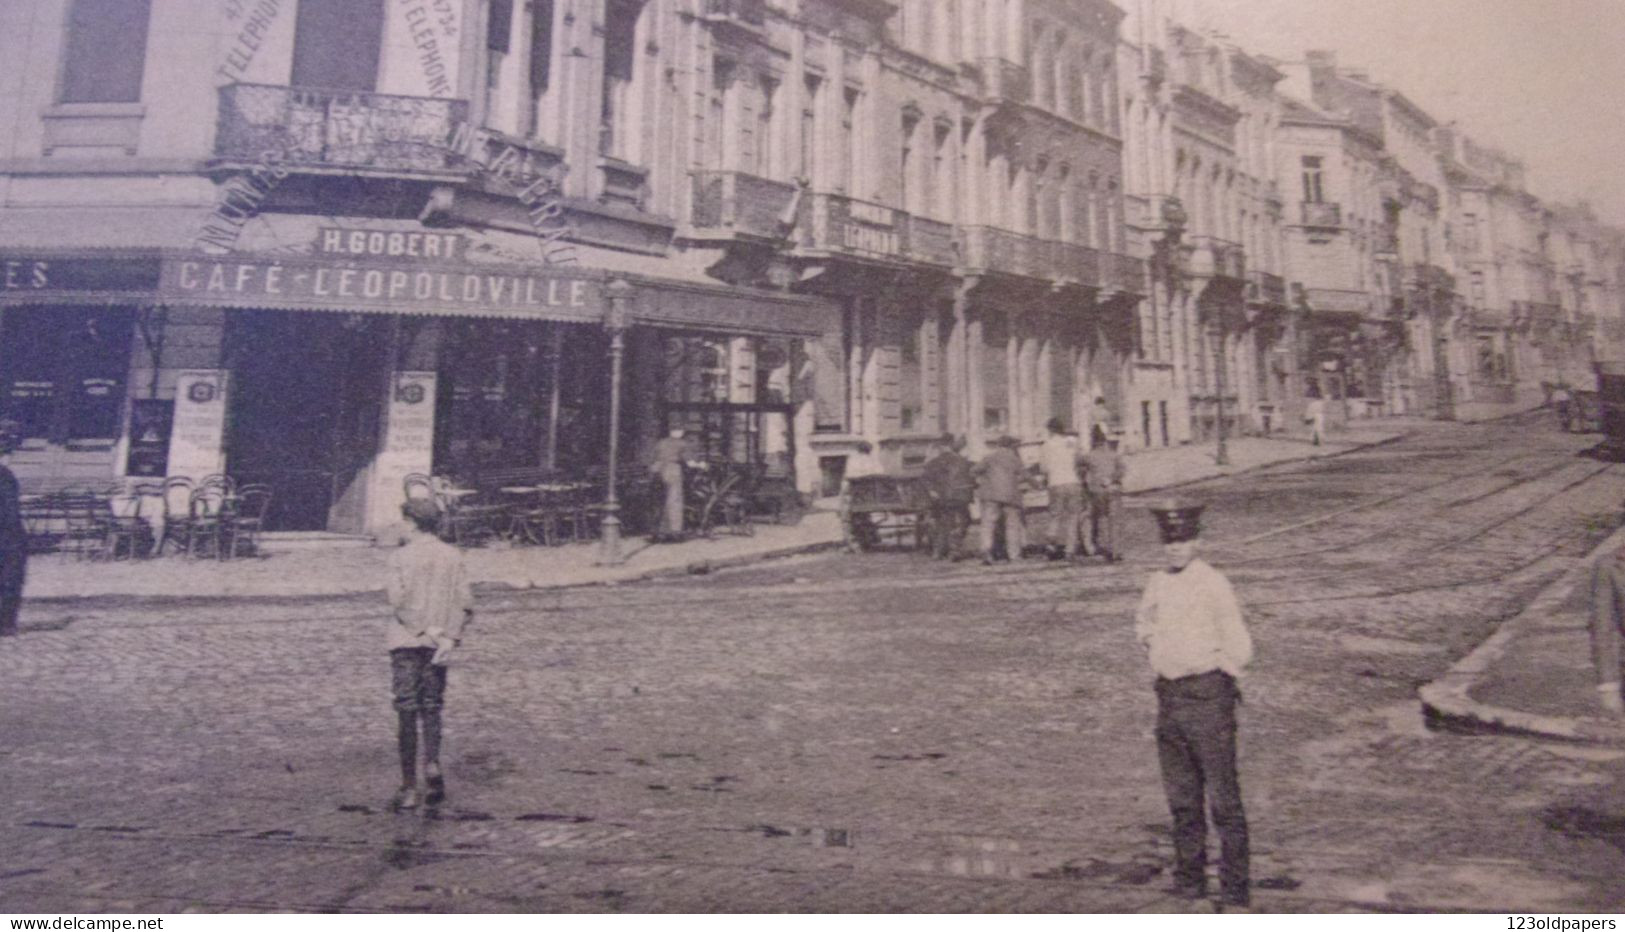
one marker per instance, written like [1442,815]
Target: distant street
[842,733]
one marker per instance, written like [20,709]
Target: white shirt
[428,588]
[1058,457]
[1190,623]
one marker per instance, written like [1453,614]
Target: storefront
[331,376]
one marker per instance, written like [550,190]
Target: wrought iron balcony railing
[1322,214]
[316,128]
[1123,273]
[838,224]
[1338,301]
[737,204]
[1266,288]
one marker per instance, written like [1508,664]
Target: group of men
[1085,489]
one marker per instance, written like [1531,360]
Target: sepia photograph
[1132,457]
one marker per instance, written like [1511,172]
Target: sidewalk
[1534,675]
[316,572]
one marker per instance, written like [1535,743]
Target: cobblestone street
[842,733]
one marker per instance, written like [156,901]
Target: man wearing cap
[429,592]
[949,483]
[1190,624]
[1104,472]
[13,537]
[1058,458]
[999,492]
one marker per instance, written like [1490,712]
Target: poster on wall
[151,420]
[408,445]
[197,440]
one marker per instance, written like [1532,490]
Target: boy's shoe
[437,790]
[405,798]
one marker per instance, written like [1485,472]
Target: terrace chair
[205,511]
[245,521]
[126,527]
[177,513]
[85,518]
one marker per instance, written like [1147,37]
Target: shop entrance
[306,401]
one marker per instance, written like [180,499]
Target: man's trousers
[1196,746]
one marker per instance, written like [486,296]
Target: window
[620,30]
[1477,286]
[336,44]
[767,139]
[942,171]
[851,141]
[65,371]
[1312,192]
[106,51]
[905,193]
[809,127]
[541,46]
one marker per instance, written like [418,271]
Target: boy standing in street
[1059,458]
[1190,624]
[432,601]
[1104,472]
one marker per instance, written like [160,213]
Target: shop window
[995,375]
[65,372]
[106,51]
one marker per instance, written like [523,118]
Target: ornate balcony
[836,224]
[305,128]
[1157,213]
[745,14]
[1212,257]
[1004,81]
[1338,303]
[1322,214]
[995,250]
[729,204]
[1266,288]
[1123,274]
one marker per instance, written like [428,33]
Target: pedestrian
[1191,626]
[1104,474]
[666,464]
[13,537]
[432,602]
[857,531]
[999,495]
[1059,458]
[1563,401]
[1315,416]
[1608,628]
[1101,420]
[951,486]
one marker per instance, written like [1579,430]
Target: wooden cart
[894,507]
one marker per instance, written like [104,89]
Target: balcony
[1004,81]
[836,224]
[304,128]
[996,250]
[1157,213]
[1338,302]
[1320,214]
[1216,258]
[750,15]
[1266,288]
[1421,276]
[729,204]
[1123,274]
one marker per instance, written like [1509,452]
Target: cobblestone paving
[841,733]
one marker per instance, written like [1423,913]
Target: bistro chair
[418,485]
[177,513]
[246,519]
[126,527]
[221,481]
[84,514]
[205,512]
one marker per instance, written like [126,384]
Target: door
[297,415]
[336,44]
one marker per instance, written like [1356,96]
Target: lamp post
[1222,456]
[618,294]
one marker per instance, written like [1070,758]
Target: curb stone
[1447,701]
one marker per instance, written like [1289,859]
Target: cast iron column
[1222,457]
[618,294]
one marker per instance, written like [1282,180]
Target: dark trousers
[1196,745]
[949,522]
[12,567]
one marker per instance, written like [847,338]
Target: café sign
[391,287]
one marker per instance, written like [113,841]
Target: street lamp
[618,294]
